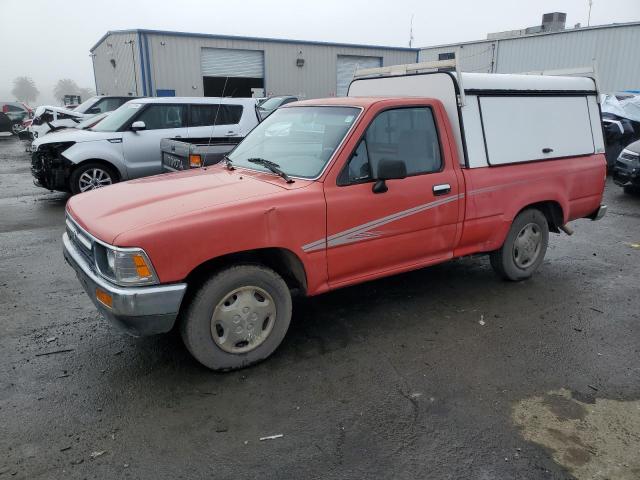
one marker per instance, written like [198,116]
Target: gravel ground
[396,378]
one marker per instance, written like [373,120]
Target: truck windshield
[117,118]
[301,140]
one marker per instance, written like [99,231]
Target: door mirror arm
[380,186]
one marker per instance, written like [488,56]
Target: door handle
[441,189]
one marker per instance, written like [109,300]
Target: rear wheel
[524,248]
[91,175]
[237,318]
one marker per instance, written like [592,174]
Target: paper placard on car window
[134,105]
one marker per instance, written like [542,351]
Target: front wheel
[237,318]
[91,175]
[524,248]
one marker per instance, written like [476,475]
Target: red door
[415,221]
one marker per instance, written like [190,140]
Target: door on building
[229,72]
[347,66]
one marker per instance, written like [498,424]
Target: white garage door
[226,62]
[347,66]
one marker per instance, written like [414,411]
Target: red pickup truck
[332,192]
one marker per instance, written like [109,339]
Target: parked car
[620,122]
[332,192]
[626,172]
[47,118]
[271,104]
[6,125]
[17,112]
[126,144]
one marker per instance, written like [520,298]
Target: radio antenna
[215,120]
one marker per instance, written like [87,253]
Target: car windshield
[271,103]
[117,118]
[300,140]
[86,105]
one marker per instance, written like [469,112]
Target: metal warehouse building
[159,63]
[615,49]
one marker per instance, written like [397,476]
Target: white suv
[126,144]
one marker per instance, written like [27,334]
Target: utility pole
[411,32]
[133,63]
[589,19]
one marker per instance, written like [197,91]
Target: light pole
[589,19]
[133,62]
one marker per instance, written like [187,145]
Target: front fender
[105,150]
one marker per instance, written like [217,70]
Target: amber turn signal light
[104,298]
[141,266]
[195,161]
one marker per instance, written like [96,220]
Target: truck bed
[176,153]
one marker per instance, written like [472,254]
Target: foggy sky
[50,39]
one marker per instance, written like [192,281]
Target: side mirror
[137,126]
[389,170]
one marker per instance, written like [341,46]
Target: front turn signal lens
[195,161]
[104,298]
[141,266]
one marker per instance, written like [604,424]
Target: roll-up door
[347,66]
[226,62]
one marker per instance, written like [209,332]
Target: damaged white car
[49,118]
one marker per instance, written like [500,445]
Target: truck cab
[402,174]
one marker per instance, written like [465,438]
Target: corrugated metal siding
[475,57]
[175,63]
[615,50]
[224,62]
[118,80]
[347,66]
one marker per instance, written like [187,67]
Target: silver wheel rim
[527,245]
[16,128]
[94,178]
[243,319]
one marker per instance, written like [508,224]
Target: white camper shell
[501,119]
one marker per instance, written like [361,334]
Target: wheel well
[552,211]
[284,262]
[101,162]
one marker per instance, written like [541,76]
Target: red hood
[109,212]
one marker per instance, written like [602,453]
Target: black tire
[77,181]
[631,190]
[198,326]
[508,262]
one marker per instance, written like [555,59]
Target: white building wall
[614,48]
[118,80]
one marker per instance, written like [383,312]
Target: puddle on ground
[593,439]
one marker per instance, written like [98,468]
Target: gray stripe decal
[364,231]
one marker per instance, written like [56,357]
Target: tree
[65,86]
[24,89]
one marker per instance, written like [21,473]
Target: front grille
[80,239]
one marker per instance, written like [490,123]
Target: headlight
[125,266]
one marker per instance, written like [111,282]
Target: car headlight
[125,266]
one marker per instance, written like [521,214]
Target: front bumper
[138,311]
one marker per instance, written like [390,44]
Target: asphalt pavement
[442,373]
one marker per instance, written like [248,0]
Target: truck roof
[342,101]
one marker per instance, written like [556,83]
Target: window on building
[447,56]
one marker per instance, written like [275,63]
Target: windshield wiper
[228,163]
[274,167]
